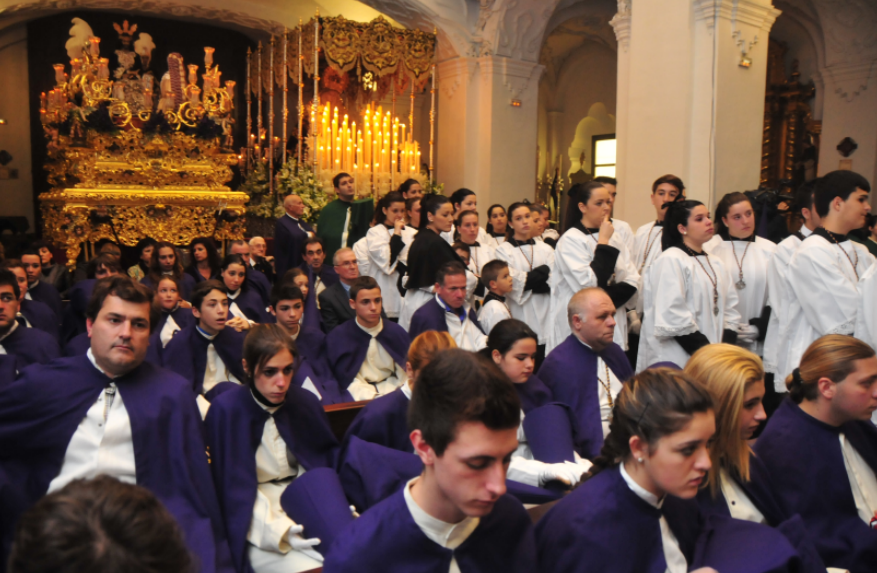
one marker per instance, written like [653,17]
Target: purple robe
[48,295]
[533,393]
[234,427]
[327,274]
[186,354]
[386,539]
[186,288]
[324,383]
[431,316]
[73,321]
[259,284]
[30,346]
[38,417]
[182,316]
[347,345]
[40,316]
[804,455]
[79,345]
[251,304]
[570,372]
[289,236]
[383,421]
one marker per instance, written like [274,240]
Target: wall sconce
[516,103]
[745,62]
[2,121]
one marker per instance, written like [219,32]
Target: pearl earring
[640,460]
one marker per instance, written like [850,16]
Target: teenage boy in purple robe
[455,516]
[367,354]
[586,371]
[109,412]
[312,370]
[820,448]
[100,267]
[38,290]
[27,345]
[32,313]
[207,353]
[448,310]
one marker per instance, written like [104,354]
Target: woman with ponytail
[384,243]
[820,448]
[546,435]
[689,300]
[739,485]
[270,447]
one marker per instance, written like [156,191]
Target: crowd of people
[688,396]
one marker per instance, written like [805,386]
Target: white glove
[582,464]
[633,322]
[747,333]
[567,473]
[297,541]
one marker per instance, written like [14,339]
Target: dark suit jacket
[335,307]
[288,240]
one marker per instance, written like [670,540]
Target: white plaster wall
[15,194]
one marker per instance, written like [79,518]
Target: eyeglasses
[347,264]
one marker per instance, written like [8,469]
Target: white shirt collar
[406,389]
[805,231]
[291,217]
[373,331]
[641,492]
[204,334]
[11,330]
[449,535]
[234,295]
[94,363]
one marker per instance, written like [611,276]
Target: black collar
[492,296]
[684,248]
[588,231]
[262,399]
[726,236]
[829,236]
[516,243]
[659,223]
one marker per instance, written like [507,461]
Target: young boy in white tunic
[496,279]
[824,272]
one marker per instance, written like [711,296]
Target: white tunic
[465,333]
[479,255]
[268,537]
[382,269]
[526,469]
[679,301]
[360,249]
[8,332]
[739,504]
[754,257]
[379,373]
[624,232]
[866,316]
[408,234]
[780,294]
[492,313]
[673,556]
[168,330]
[102,443]
[826,290]
[862,481]
[710,245]
[646,248]
[447,535]
[573,272]
[534,309]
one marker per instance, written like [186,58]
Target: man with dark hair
[99,525]
[448,310]
[320,276]
[344,221]
[51,272]
[207,353]
[463,417]
[36,289]
[781,296]
[825,271]
[255,281]
[27,345]
[290,234]
[112,413]
[311,369]
[31,313]
[367,354]
[100,267]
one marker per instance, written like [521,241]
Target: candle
[208,58]
[94,47]
[43,101]
[193,74]
[103,70]
[229,87]
[60,76]
[194,94]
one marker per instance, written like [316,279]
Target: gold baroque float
[125,163]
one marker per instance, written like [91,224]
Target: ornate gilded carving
[342,42]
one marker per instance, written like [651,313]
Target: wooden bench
[342,415]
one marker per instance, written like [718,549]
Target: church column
[850,110]
[487,118]
[694,105]
[628,195]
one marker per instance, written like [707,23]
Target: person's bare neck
[428,496]
[835,225]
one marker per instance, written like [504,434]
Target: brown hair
[362,283]
[459,387]
[99,526]
[426,346]
[832,357]
[672,180]
[728,201]
[653,404]
[727,371]
[289,276]
[262,343]
[155,266]
[126,289]
[106,260]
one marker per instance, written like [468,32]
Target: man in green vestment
[344,221]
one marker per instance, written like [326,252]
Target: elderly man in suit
[335,300]
[290,234]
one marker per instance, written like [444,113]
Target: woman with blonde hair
[739,485]
[384,420]
[821,446]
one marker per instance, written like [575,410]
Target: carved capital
[454,73]
[849,81]
[516,75]
[621,24]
